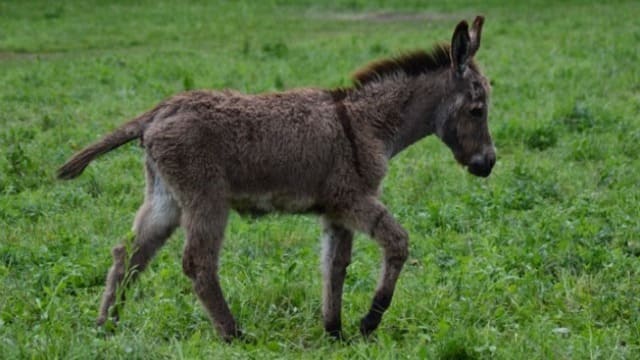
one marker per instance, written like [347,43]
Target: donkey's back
[268,152]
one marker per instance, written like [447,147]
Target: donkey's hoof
[106,326]
[336,335]
[369,324]
[235,335]
[105,321]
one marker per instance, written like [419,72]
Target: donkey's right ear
[460,48]
[475,33]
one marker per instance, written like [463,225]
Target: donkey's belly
[260,204]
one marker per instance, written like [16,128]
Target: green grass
[539,261]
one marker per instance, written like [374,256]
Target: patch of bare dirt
[388,16]
[13,55]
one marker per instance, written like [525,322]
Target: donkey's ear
[460,46]
[476,31]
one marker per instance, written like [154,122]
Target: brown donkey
[306,150]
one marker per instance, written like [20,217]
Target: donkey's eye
[476,112]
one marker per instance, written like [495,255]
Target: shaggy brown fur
[411,64]
[306,150]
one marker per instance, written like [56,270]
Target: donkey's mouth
[482,171]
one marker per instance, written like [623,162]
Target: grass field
[540,261]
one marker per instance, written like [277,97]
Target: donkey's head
[462,123]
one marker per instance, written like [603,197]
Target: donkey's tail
[125,133]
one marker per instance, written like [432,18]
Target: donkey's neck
[401,110]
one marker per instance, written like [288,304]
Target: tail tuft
[74,167]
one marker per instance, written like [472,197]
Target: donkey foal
[307,150]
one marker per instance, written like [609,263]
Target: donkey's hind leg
[336,254]
[205,220]
[370,216]
[155,221]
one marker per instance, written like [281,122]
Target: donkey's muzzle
[481,165]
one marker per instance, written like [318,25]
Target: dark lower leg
[337,244]
[383,295]
[394,242]
[379,305]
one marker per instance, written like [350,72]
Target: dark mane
[412,64]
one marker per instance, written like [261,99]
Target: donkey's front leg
[370,216]
[336,255]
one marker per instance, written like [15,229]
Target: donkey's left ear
[475,33]
[460,48]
